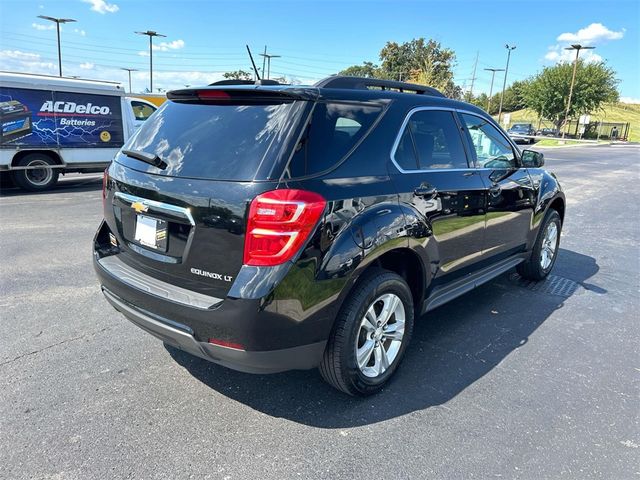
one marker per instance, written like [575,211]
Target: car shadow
[452,347]
[64,185]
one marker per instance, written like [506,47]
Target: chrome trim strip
[444,109]
[141,281]
[166,207]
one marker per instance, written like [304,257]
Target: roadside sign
[584,119]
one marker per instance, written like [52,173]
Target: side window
[142,110]
[333,130]
[491,148]
[431,140]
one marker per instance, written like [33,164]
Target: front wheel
[38,175]
[545,250]
[371,334]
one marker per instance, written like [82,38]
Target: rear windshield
[218,142]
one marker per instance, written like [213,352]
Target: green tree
[418,61]
[367,69]
[547,93]
[238,75]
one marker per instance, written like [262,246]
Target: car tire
[362,338]
[545,250]
[39,179]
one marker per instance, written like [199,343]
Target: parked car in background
[269,228]
[52,126]
[522,132]
[548,132]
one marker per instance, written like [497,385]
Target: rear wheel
[371,334]
[39,176]
[545,250]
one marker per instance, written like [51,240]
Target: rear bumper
[182,337]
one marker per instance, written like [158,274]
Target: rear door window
[332,131]
[218,142]
[431,140]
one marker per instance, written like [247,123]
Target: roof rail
[362,83]
[244,82]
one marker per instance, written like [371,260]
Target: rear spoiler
[241,95]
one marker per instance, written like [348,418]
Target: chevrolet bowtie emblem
[139,207]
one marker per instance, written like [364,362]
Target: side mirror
[531,159]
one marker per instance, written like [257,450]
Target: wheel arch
[54,156]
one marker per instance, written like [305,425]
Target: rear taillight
[280,222]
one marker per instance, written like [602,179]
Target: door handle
[426,191]
[495,190]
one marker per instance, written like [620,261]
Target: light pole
[268,57]
[493,75]
[504,83]
[58,21]
[129,70]
[151,34]
[577,47]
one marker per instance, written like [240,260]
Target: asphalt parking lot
[513,380]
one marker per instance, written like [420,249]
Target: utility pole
[493,76]
[473,76]
[58,21]
[264,59]
[504,83]
[151,34]
[130,70]
[268,57]
[577,47]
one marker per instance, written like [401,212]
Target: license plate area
[151,232]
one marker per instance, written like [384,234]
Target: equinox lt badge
[215,276]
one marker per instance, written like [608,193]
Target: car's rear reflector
[226,343]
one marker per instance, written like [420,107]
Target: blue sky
[315,39]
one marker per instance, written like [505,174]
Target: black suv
[268,228]
[522,132]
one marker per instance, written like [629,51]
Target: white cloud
[558,54]
[39,26]
[80,32]
[594,33]
[166,46]
[18,55]
[588,36]
[142,53]
[102,7]
[630,100]
[86,66]
[41,7]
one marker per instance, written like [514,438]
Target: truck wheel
[37,179]
[545,250]
[370,335]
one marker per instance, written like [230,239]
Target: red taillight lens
[213,95]
[280,221]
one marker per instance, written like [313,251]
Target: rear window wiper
[150,158]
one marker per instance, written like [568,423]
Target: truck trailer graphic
[38,118]
[15,121]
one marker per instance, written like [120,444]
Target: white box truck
[52,125]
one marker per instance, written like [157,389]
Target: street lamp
[151,34]
[504,83]
[577,47]
[493,75]
[268,57]
[130,70]
[58,21]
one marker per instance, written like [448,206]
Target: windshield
[219,142]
